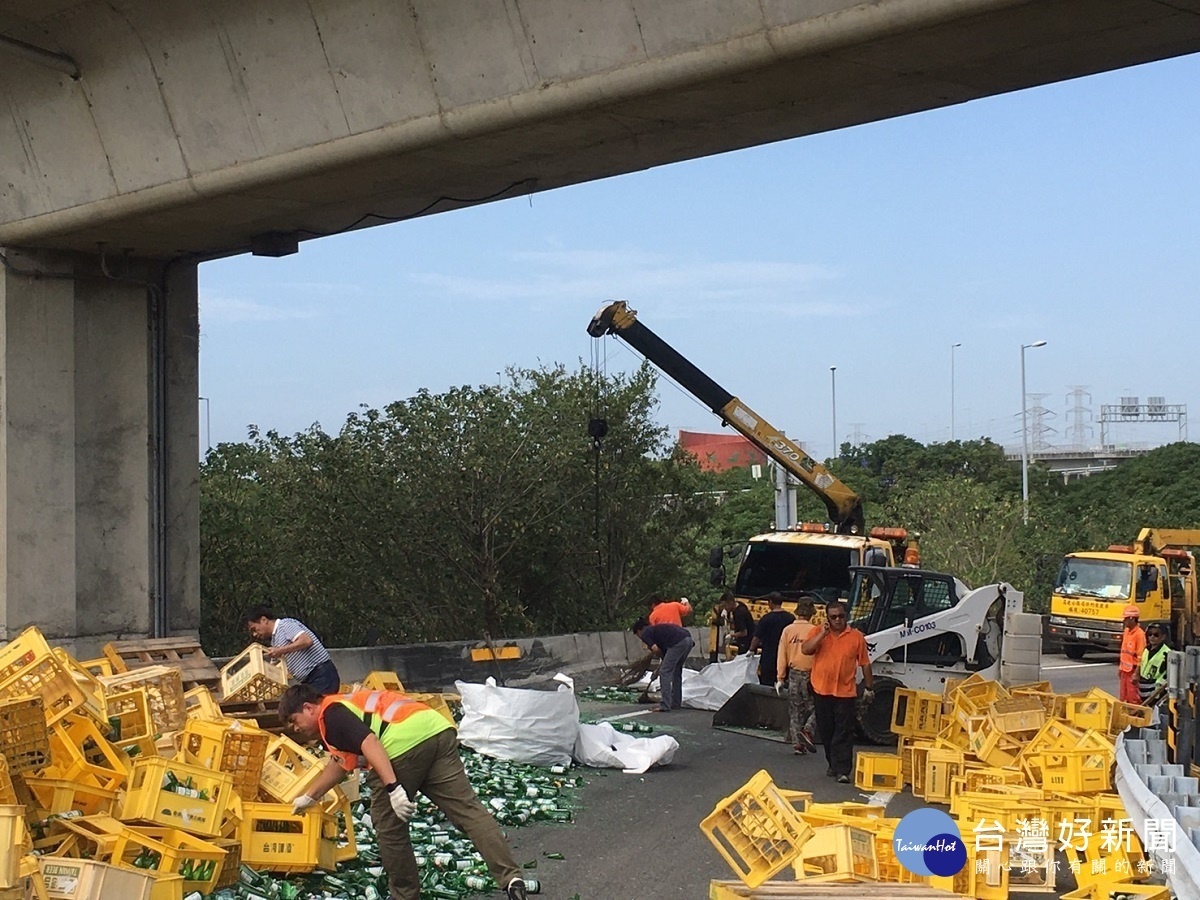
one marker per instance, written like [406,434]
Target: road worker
[407,748]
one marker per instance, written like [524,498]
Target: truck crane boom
[844,506]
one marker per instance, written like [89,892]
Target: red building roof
[719,452]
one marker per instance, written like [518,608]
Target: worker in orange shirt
[1133,642]
[793,671]
[668,612]
[838,652]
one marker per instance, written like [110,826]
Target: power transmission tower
[1038,429]
[1079,414]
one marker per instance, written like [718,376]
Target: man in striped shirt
[306,657]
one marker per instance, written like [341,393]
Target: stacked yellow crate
[1016,769]
[125,780]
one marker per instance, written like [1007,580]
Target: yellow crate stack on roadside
[1016,768]
[160,788]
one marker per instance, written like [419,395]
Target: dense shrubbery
[488,509]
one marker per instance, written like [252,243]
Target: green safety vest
[1154,665]
[398,721]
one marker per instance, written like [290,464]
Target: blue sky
[1066,213]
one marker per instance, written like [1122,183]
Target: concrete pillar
[99,500]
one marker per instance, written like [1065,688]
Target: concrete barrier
[436,666]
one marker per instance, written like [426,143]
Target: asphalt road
[637,836]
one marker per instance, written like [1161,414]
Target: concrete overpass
[140,137]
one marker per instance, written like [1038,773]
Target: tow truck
[812,559]
[921,627]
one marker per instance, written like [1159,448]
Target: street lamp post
[953,347]
[833,390]
[1025,436]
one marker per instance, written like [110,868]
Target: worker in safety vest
[1133,642]
[1153,669]
[407,748]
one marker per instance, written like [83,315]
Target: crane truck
[1156,573]
[809,559]
[921,627]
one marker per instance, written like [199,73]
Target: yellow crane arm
[844,506]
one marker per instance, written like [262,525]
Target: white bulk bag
[537,728]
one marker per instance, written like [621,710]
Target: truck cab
[1094,587]
[808,560]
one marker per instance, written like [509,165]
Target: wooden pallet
[179,652]
[799,890]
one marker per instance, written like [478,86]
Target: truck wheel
[875,720]
[1074,651]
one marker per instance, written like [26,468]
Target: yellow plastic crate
[1070,771]
[1054,704]
[235,749]
[12,831]
[171,851]
[1129,715]
[973,695]
[1053,735]
[343,814]
[383,681]
[89,879]
[994,747]
[288,770]
[975,778]
[916,713]
[915,759]
[878,771]
[24,739]
[1018,714]
[275,840]
[838,853]
[82,753]
[941,765]
[251,677]
[28,668]
[56,796]
[30,881]
[148,801]
[129,712]
[93,690]
[202,863]
[199,703]
[756,830]
[164,693]
[1095,710]
[8,794]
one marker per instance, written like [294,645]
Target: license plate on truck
[1081,634]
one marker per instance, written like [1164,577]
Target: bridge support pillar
[99,474]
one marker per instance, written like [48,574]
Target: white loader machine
[921,629]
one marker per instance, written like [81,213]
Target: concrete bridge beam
[98,447]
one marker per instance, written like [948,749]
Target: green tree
[965,528]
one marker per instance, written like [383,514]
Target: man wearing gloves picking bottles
[407,748]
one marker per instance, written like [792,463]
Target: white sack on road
[603,746]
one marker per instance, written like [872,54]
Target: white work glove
[401,805]
[868,695]
[301,803]
[779,688]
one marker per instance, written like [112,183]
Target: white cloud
[221,309]
[680,289]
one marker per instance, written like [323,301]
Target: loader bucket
[756,710]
